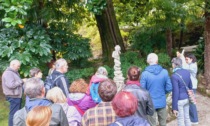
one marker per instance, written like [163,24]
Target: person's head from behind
[190,58]
[133,73]
[15,65]
[124,104]
[107,90]
[176,62]
[35,72]
[56,95]
[152,59]
[78,86]
[39,116]
[102,72]
[34,88]
[61,65]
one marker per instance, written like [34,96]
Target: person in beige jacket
[12,88]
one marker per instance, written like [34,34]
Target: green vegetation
[4,112]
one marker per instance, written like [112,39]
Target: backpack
[50,82]
[94,92]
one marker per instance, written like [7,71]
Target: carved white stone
[118,76]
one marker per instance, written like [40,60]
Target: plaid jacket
[101,115]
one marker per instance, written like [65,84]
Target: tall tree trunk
[109,32]
[169,41]
[207,45]
[181,34]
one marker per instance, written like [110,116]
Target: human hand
[176,113]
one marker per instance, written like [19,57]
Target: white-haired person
[156,80]
[57,97]
[12,88]
[100,75]
[61,67]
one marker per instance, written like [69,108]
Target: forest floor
[203,107]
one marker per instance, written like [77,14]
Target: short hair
[15,61]
[134,73]
[60,63]
[39,116]
[33,87]
[56,95]
[152,59]
[124,104]
[102,71]
[34,71]
[191,56]
[107,90]
[177,62]
[78,86]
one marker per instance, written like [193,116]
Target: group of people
[142,102]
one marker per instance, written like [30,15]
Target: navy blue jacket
[179,91]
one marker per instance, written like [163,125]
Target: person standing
[12,88]
[180,100]
[145,105]
[103,113]
[156,80]
[34,89]
[61,67]
[189,63]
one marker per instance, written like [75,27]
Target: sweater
[179,91]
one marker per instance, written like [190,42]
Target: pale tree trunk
[109,32]
[207,45]
[169,42]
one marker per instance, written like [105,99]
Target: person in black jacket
[145,104]
[61,67]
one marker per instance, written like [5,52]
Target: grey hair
[152,59]
[177,62]
[102,71]
[15,61]
[59,63]
[33,87]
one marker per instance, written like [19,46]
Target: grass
[4,111]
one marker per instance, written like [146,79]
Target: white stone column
[118,76]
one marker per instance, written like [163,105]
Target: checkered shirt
[101,115]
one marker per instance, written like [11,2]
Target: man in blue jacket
[156,80]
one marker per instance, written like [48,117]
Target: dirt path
[203,106]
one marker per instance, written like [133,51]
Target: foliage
[164,60]
[67,44]
[14,11]
[85,73]
[199,53]
[30,45]
[4,111]
[96,6]
[146,40]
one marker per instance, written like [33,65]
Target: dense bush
[85,73]
[30,45]
[146,40]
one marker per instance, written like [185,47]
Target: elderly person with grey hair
[156,80]
[61,67]
[34,89]
[180,102]
[12,88]
[100,75]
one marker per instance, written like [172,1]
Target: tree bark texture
[207,46]
[169,42]
[109,32]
